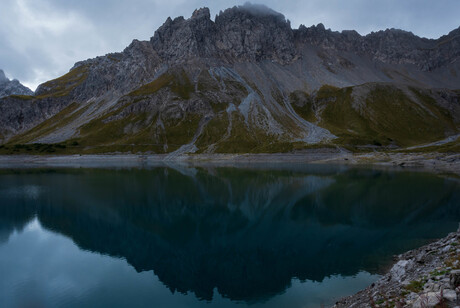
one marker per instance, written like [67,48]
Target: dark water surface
[275,236]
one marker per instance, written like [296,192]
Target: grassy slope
[139,132]
[386,115]
[63,85]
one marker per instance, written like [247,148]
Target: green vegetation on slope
[154,86]
[384,115]
[303,105]
[344,121]
[63,85]
[240,140]
[137,132]
[236,137]
[394,114]
[178,83]
[214,131]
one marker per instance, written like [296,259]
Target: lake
[279,235]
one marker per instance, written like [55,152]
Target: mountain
[246,82]
[12,87]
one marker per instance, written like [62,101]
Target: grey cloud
[42,39]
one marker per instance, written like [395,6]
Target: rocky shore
[424,277]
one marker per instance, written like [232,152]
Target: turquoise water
[209,236]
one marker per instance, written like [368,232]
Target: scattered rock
[450,295]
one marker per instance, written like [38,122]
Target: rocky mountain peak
[181,39]
[249,10]
[452,37]
[393,36]
[202,13]
[320,27]
[239,34]
[254,16]
[12,87]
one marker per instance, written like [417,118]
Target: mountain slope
[247,82]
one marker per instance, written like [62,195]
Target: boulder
[455,279]
[450,295]
[430,299]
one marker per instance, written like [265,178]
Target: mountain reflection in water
[246,232]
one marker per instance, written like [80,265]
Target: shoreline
[431,162]
[428,276]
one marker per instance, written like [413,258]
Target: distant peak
[320,26]
[393,31]
[201,13]
[256,10]
[11,87]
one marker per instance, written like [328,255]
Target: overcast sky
[42,39]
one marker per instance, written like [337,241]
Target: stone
[399,269]
[446,249]
[454,279]
[430,299]
[449,295]
[428,287]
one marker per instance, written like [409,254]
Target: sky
[42,39]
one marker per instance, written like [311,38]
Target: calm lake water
[267,236]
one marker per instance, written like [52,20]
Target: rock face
[241,34]
[201,85]
[237,35]
[12,87]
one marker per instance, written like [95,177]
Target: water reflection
[243,232]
